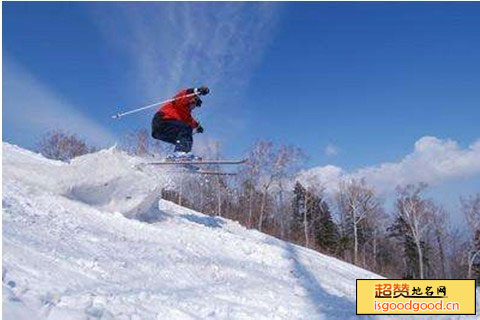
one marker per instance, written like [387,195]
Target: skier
[173,122]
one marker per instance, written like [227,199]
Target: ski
[189,168]
[211,172]
[196,162]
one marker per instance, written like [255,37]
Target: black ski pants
[172,131]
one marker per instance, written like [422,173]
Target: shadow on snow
[324,303]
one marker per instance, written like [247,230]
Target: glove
[203,90]
[199,129]
[198,102]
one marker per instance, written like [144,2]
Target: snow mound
[92,239]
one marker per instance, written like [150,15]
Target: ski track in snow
[92,240]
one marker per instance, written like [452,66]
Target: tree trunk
[250,208]
[282,215]
[364,262]
[219,199]
[262,209]
[442,256]
[470,264]
[305,222]
[355,236]
[420,257]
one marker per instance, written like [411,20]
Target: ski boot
[183,156]
[180,156]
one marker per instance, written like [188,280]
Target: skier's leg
[183,146]
[175,132]
[164,130]
[184,138]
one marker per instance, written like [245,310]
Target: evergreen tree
[325,229]
[312,218]
[298,210]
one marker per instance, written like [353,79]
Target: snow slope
[92,240]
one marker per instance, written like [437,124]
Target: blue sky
[356,85]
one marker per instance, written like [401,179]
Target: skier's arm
[183,98]
[193,123]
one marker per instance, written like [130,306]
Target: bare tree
[275,167]
[269,178]
[287,161]
[415,212]
[212,150]
[267,166]
[259,160]
[471,210]
[439,235]
[376,222]
[356,201]
[135,142]
[281,208]
[456,247]
[63,146]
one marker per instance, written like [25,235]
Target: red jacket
[180,109]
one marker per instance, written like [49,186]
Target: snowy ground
[92,240]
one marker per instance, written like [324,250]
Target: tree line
[413,239]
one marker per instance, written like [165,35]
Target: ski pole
[121,114]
